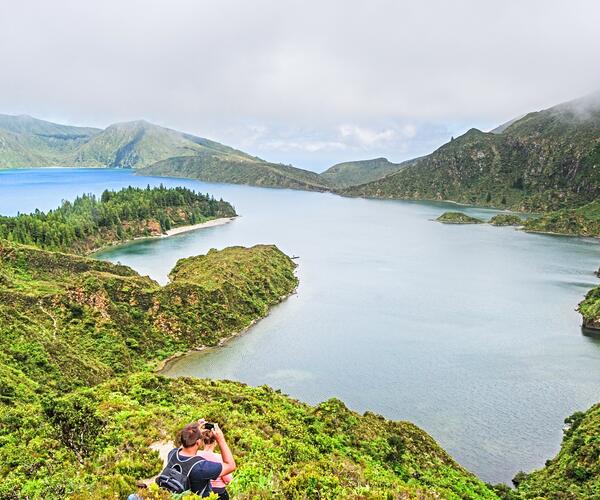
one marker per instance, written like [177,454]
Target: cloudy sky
[303,82]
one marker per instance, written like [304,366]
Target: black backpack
[175,477]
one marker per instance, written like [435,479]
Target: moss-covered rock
[458,218]
[506,220]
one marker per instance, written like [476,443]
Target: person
[219,486]
[201,471]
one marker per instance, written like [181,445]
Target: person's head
[208,439]
[191,435]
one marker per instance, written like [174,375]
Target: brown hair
[208,437]
[189,435]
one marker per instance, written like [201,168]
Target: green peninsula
[89,223]
[581,221]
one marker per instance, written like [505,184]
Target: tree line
[115,215]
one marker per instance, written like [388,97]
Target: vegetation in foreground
[506,220]
[458,218]
[582,221]
[89,223]
[79,405]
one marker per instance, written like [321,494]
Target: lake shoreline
[165,363]
[170,232]
[192,227]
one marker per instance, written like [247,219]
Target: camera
[208,425]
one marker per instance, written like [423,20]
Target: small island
[506,220]
[458,218]
[90,223]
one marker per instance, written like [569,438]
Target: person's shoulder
[206,469]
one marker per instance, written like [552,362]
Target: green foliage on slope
[139,144]
[590,309]
[544,161]
[79,406]
[352,173]
[89,223]
[506,220]
[575,472]
[210,167]
[68,320]
[458,218]
[29,142]
[581,221]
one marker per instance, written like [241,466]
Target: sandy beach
[193,227]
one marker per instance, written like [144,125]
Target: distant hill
[210,167]
[29,142]
[352,173]
[544,161]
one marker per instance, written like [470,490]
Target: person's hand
[201,422]
[217,432]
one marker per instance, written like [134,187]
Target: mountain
[544,161]
[352,173]
[28,142]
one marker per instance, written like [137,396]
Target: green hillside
[352,173]
[581,221]
[79,405]
[28,142]
[575,472]
[210,167]
[545,161]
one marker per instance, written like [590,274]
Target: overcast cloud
[303,82]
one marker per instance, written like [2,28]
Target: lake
[468,331]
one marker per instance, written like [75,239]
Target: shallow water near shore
[468,331]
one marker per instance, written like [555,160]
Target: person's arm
[228,461]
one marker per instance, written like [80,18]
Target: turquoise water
[468,331]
